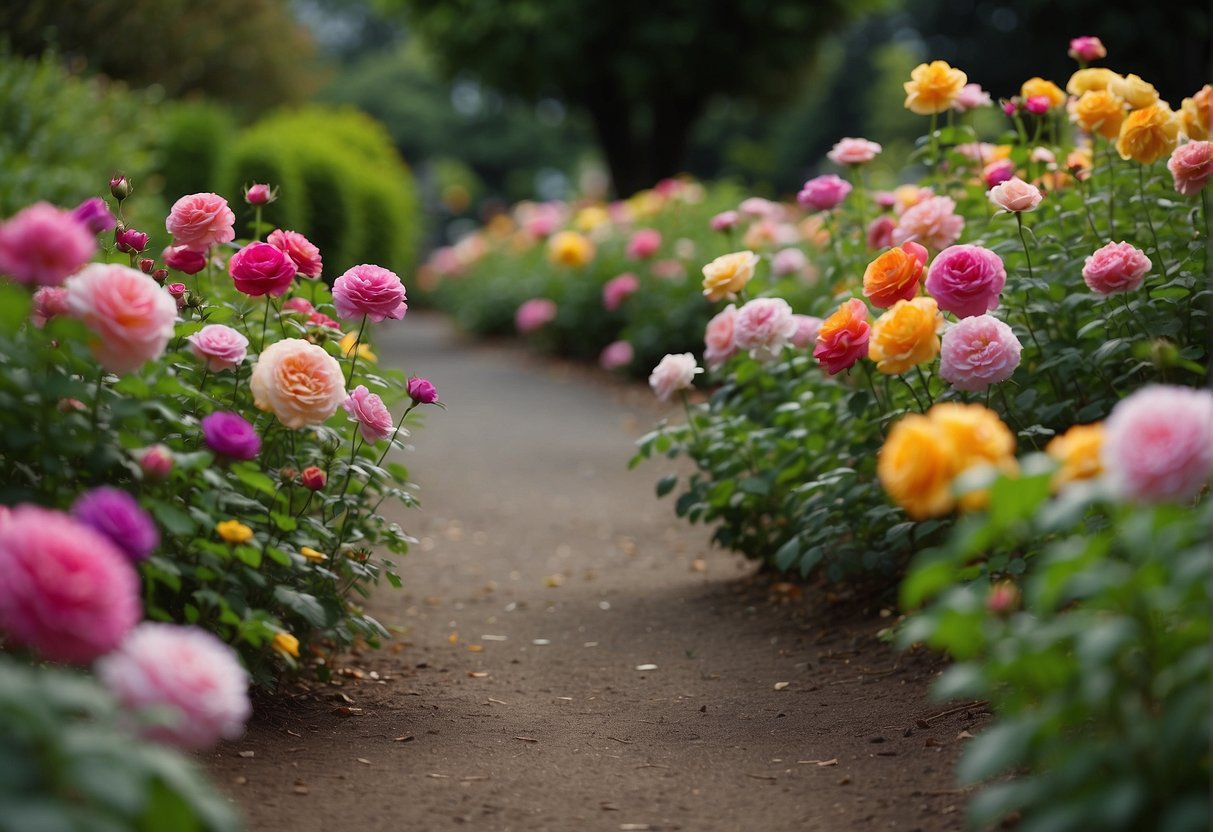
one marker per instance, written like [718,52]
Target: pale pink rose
[303,252]
[761,208]
[669,269]
[719,345]
[128,310]
[49,302]
[685,248]
[221,347]
[885,199]
[1086,49]
[261,269]
[978,352]
[807,327]
[644,244]
[183,259]
[853,152]
[966,280]
[301,305]
[764,326]
[724,221]
[822,193]
[199,221]
[534,314]
[1043,155]
[933,222]
[998,172]
[42,244]
[371,291]
[971,97]
[907,196]
[1015,195]
[674,373]
[368,410]
[191,680]
[616,355]
[65,590]
[298,382]
[1191,165]
[976,151]
[1158,444]
[618,289]
[880,232]
[156,462]
[788,261]
[1116,267]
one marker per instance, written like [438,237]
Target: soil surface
[572,656]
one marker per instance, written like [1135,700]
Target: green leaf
[787,554]
[15,304]
[998,748]
[174,519]
[249,474]
[666,484]
[248,555]
[303,605]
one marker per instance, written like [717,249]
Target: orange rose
[1077,453]
[916,467]
[894,275]
[298,382]
[1099,111]
[1194,115]
[905,335]
[1037,87]
[933,87]
[1148,134]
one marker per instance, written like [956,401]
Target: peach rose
[933,222]
[1015,195]
[199,221]
[1191,165]
[1194,114]
[128,310]
[1099,111]
[298,382]
[905,335]
[728,274]
[1077,454]
[1148,134]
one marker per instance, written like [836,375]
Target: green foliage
[67,764]
[257,156]
[195,139]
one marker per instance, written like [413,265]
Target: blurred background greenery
[492,101]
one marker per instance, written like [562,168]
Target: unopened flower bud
[1037,105]
[130,241]
[1003,598]
[156,462]
[160,275]
[422,391]
[260,195]
[147,265]
[1010,107]
[288,474]
[314,478]
[121,187]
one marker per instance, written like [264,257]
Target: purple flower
[229,434]
[95,214]
[422,391]
[115,514]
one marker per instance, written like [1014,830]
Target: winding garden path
[571,656]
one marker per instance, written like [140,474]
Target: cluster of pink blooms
[1158,444]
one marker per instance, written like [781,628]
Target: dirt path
[547,578]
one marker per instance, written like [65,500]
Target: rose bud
[121,187]
[160,275]
[130,241]
[314,478]
[147,265]
[288,474]
[156,462]
[259,195]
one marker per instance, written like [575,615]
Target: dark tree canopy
[643,71]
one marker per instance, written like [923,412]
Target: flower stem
[357,342]
[256,223]
[1111,190]
[97,400]
[686,404]
[265,322]
[1145,208]
[392,438]
[913,393]
[926,384]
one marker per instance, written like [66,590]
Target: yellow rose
[644,204]
[1137,93]
[347,347]
[728,274]
[1095,79]
[933,87]
[979,438]
[286,644]
[1194,115]
[568,248]
[1035,87]
[916,466]
[1099,111]
[1077,453]
[311,554]
[233,531]
[591,217]
[905,335]
[1148,135]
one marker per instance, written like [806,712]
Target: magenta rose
[117,515]
[371,291]
[303,306]
[95,215]
[261,269]
[1114,268]
[368,410]
[42,244]
[230,434]
[220,346]
[618,289]
[966,280]
[1087,48]
[199,221]
[259,194]
[822,193]
[156,462]
[1158,444]
[764,326]
[183,259]
[1191,165]
[421,390]
[303,252]
[977,352]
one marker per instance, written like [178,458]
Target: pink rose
[49,302]
[669,269]
[616,355]
[756,206]
[719,345]
[618,289]
[644,244]
[156,462]
[975,151]
[189,676]
[65,590]
[298,382]
[199,221]
[724,221]
[807,327]
[674,373]
[880,232]
[884,199]
[259,195]
[853,152]
[966,280]
[133,316]
[998,172]
[788,261]
[1086,49]
[1191,165]
[764,326]
[221,347]
[368,410]
[43,244]
[302,252]
[978,352]
[371,291]
[1158,444]
[321,319]
[184,260]
[261,269]
[1116,267]
[933,222]
[303,306]
[1015,195]
[971,97]
[534,314]
[1038,105]
[822,193]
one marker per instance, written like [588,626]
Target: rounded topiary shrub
[195,140]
